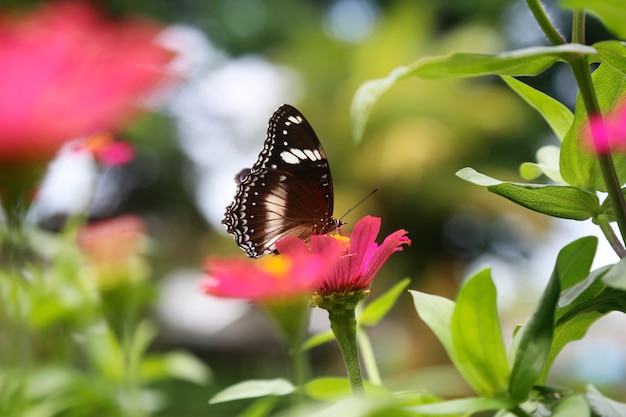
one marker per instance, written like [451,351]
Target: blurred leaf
[579,166]
[554,200]
[555,113]
[611,12]
[333,389]
[318,339]
[572,406]
[377,309]
[547,163]
[528,61]
[437,312]
[254,388]
[261,407]
[477,338]
[535,337]
[603,406]
[612,53]
[465,406]
[176,364]
[616,276]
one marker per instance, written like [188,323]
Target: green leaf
[579,166]
[528,61]
[612,53]
[437,312]
[616,276]
[333,389]
[603,406]
[318,339]
[174,364]
[611,12]
[254,388]
[574,261]
[535,337]
[556,114]
[465,406]
[554,200]
[377,309]
[477,338]
[572,406]
[547,163]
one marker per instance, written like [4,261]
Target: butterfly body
[287,192]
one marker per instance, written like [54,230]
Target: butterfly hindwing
[288,191]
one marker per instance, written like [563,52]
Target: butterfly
[287,192]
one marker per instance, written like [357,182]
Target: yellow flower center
[344,241]
[275,265]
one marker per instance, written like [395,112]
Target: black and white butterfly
[287,192]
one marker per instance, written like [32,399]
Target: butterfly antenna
[356,205]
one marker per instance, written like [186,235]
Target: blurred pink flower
[361,257]
[106,150]
[608,133]
[272,277]
[67,72]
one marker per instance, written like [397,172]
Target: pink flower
[69,72]
[106,150]
[361,257]
[268,278]
[609,133]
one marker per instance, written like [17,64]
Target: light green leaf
[611,12]
[556,114]
[612,53]
[465,406]
[333,389]
[174,364]
[377,309]
[579,166]
[604,406]
[318,339]
[477,338]
[616,276]
[528,61]
[547,163]
[437,312]
[573,406]
[574,261]
[554,200]
[254,388]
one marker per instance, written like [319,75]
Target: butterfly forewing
[288,191]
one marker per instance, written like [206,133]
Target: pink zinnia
[272,277]
[608,133]
[69,72]
[361,257]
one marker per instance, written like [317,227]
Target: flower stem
[608,232]
[343,325]
[546,25]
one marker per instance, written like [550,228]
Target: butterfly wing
[287,192]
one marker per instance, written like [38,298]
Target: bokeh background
[238,61]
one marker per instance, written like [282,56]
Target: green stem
[582,74]
[546,25]
[608,232]
[369,361]
[343,325]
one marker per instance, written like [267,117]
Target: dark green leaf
[477,338]
[535,341]
[377,309]
[554,200]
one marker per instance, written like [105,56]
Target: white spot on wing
[295,119]
[289,158]
[312,155]
[299,153]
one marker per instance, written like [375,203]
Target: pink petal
[391,244]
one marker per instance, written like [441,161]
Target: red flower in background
[69,72]
[608,133]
